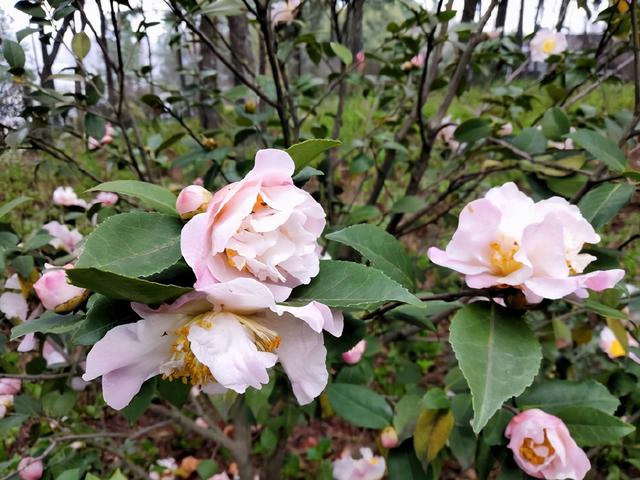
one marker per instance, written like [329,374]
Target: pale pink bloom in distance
[546,43]
[262,227]
[10,386]
[6,402]
[64,237]
[368,467]
[67,197]
[543,447]
[106,199]
[52,355]
[14,306]
[507,239]
[354,355]
[283,11]
[360,61]
[446,135]
[226,339]
[505,130]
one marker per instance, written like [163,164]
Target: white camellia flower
[67,197]
[507,239]
[368,467]
[546,43]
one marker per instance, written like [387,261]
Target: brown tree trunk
[208,116]
[111,92]
[501,16]
[564,6]
[520,32]
[355,27]
[469,10]
[538,13]
[239,39]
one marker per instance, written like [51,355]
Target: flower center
[532,453]
[501,258]
[188,367]
[616,349]
[549,45]
[266,339]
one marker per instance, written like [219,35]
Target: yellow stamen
[259,205]
[616,349]
[190,370]
[230,254]
[502,260]
[266,339]
[530,455]
[549,45]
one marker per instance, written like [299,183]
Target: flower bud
[250,106]
[209,143]
[30,469]
[193,200]
[354,355]
[56,293]
[389,437]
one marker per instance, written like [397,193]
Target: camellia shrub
[405,257]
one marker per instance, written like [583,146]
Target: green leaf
[472,130]
[602,148]
[498,354]
[94,126]
[102,315]
[555,395]
[590,427]
[207,468]
[13,53]
[431,434]
[342,52]
[73,474]
[135,244]
[174,391]
[383,250]
[154,196]
[359,405]
[81,44]
[56,404]
[347,284]
[408,204]
[602,309]
[403,463]
[602,203]
[555,124]
[531,140]
[493,433]
[407,413]
[48,322]
[304,153]
[10,205]
[120,287]
[140,402]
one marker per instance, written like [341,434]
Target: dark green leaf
[304,153]
[13,53]
[602,203]
[472,130]
[48,322]
[359,405]
[602,148]
[555,395]
[590,427]
[555,124]
[141,401]
[154,196]
[531,140]
[10,205]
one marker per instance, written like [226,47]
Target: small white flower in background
[283,11]
[613,347]
[55,292]
[546,43]
[506,238]
[106,199]
[67,197]
[354,355]
[6,402]
[368,467]
[64,237]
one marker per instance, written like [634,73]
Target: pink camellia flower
[52,355]
[446,134]
[354,355]
[107,138]
[10,386]
[389,437]
[224,339]
[64,237]
[505,130]
[542,446]
[283,11]
[612,346]
[67,197]
[368,467]
[192,200]
[30,468]
[506,238]
[106,199]
[261,227]
[56,293]
[546,43]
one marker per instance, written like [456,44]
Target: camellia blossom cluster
[507,239]
[543,447]
[254,241]
[546,43]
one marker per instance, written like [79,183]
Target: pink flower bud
[201,422]
[10,386]
[192,200]
[354,355]
[389,437]
[106,198]
[56,293]
[30,469]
